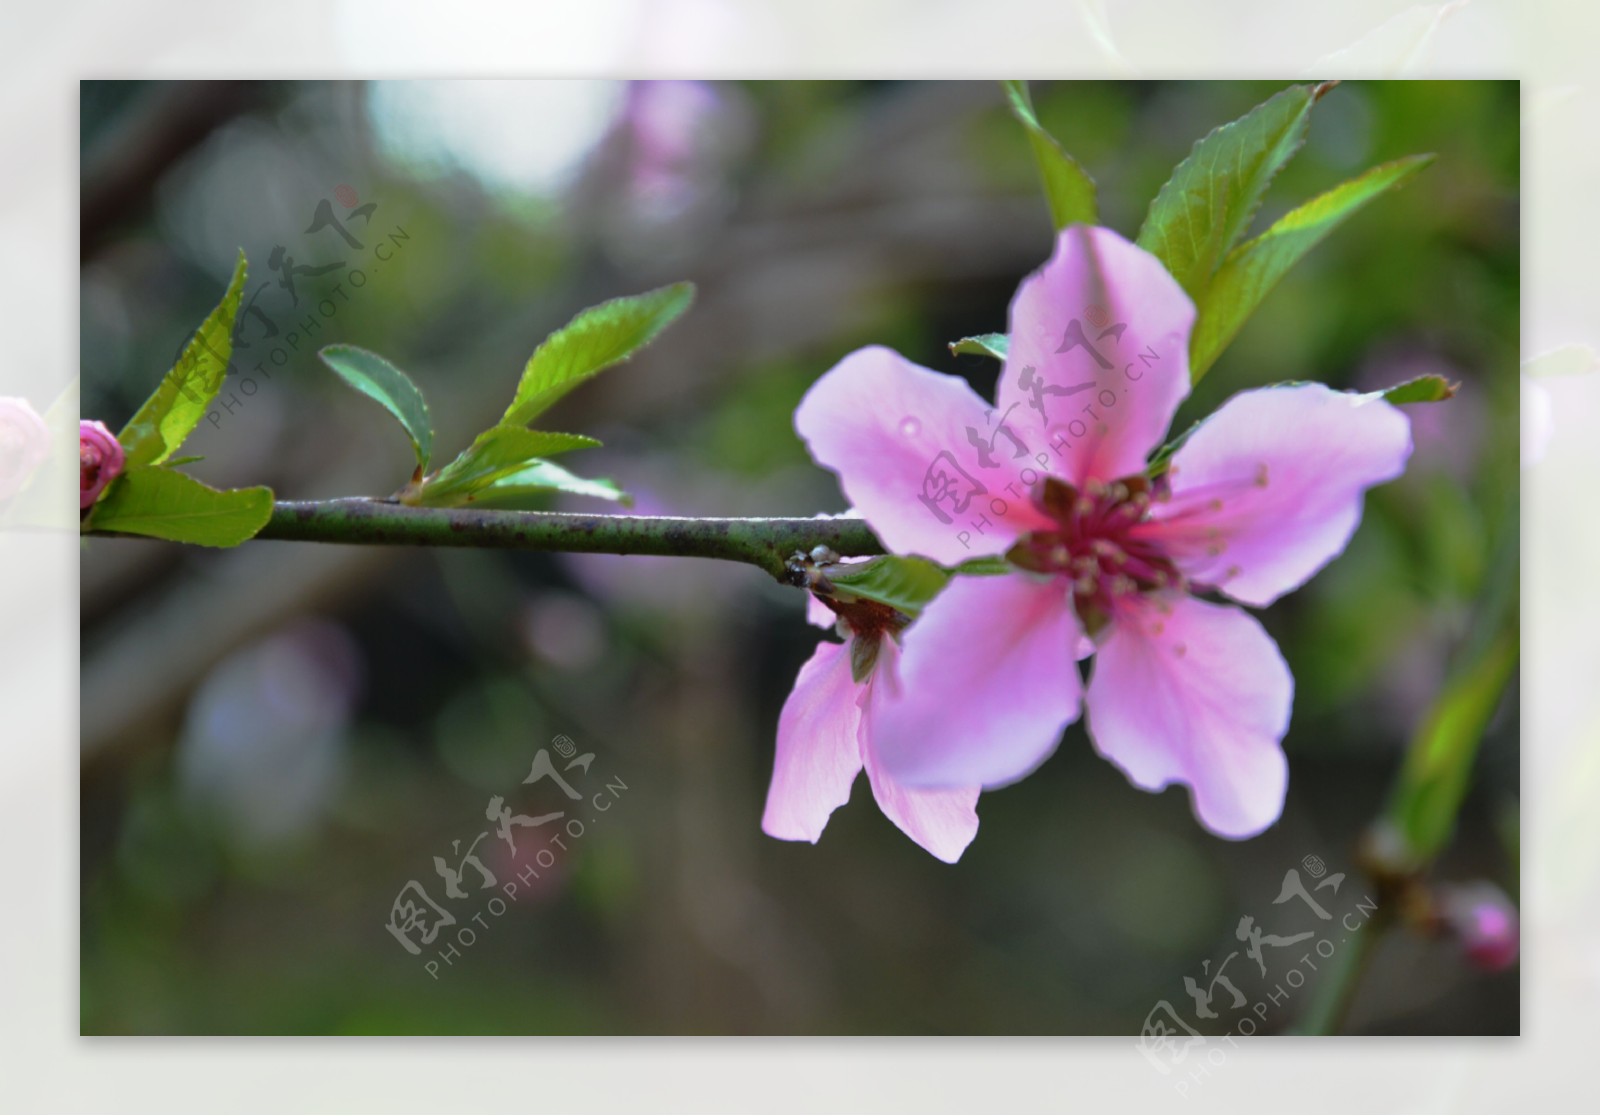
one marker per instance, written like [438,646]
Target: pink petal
[1268,490]
[818,754]
[1108,399]
[1198,695]
[819,615]
[987,681]
[942,821]
[898,437]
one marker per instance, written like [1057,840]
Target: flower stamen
[1095,545]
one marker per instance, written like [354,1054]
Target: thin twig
[766,543]
[1330,1003]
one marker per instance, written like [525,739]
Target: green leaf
[902,583]
[1431,388]
[592,342]
[498,452]
[163,503]
[376,378]
[984,344]
[987,566]
[1254,268]
[1433,782]
[1068,189]
[528,488]
[1212,195]
[1438,766]
[179,402]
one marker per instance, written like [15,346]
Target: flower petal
[1268,490]
[1099,356]
[942,821]
[818,754]
[987,680]
[819,615]
[1199,695]
[911,451]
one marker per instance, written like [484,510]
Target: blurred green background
[276,739]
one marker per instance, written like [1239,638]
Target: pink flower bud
[1482,919]
[24,444]
[100,460]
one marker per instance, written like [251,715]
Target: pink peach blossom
[100,460]
[1483,922]
[827,735]
[1103,559]
[24,444]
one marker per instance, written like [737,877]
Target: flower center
[1094,546]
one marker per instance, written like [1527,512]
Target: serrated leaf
[1254,268]
[163,503]
[596,339]
[1422,389]
[179,402]
[528,488]
[498,452]
[376,378]
[983,344]
[1209,201]
[901,582]
[1068,189]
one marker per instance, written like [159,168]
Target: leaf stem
[1331,1001]
[766,543]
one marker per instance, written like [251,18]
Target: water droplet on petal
[910,427]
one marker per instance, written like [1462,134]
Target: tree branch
[766,543]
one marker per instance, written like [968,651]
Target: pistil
[1094,547]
